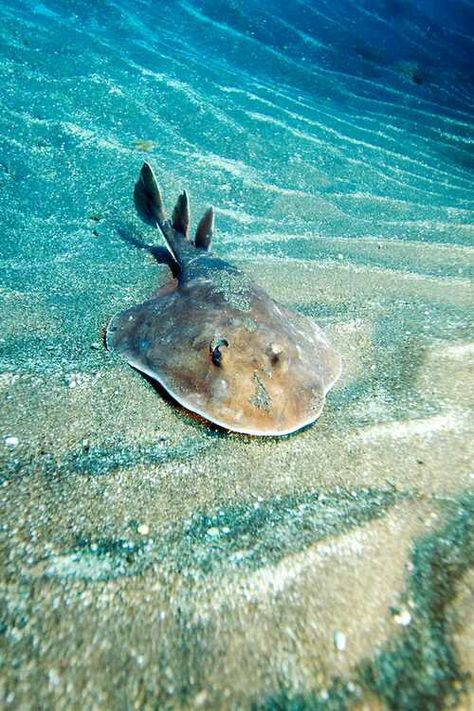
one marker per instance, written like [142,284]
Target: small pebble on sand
[403,618]
[11,441]
[340,641]
[71,380]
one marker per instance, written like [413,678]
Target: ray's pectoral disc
[217,342]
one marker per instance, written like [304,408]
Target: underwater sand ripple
[374,152]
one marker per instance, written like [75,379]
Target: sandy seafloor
[149,561]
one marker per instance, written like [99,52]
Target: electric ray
[217,343]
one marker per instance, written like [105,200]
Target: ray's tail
[149,205]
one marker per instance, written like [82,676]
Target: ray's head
[265,376]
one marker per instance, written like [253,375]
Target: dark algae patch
[262,534]
[97,461]
[104,559]
[418,668]
[338,698]
[93,460]
[241,538]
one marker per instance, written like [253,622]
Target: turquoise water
[335,140]
[303,124]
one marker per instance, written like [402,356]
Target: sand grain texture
[149,561]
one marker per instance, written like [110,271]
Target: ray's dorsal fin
[181,216]
[147,197]
[205,230]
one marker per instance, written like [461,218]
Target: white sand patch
[82,380]
[406,429]
[238,216]
[275,579]
[41,9]
[8,379]
[236,168]
[456,351]
[86,135]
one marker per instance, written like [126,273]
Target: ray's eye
[214,348]
[275,352]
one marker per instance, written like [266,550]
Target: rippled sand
[148,560]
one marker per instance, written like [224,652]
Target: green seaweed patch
[144,145]
[264,532]
[104,559]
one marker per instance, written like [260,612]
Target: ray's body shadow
[159,253]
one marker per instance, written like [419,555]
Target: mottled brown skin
[224,349]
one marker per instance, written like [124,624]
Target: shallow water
[150,561]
